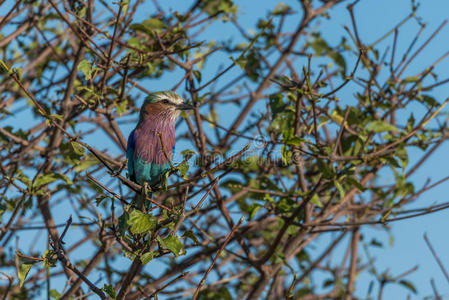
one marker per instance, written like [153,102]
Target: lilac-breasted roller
[147,161]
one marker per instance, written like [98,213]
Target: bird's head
[165,104]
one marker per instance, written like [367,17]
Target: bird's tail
[137,201]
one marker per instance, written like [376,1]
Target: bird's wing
[130,154]
[173,154]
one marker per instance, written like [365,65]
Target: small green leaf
[380,126]
[55,294]
[24,179]
[296,141]
[86,164]
[86,68]
[140,222]
[408,285]
[24,266]
[125,5]
[411,79]
[429,100]
[49,260]
[189,234]
[3,208]
[43,179]
[403,156]
[77,148]
[215,294]
[183,169]
[109,289]
[3,67]
[173,244]
[23,272]
[147,257]
[316,200]
[253,210]
[99,199]
[153,24]
[340,189]
[121,107]
[197,75]
[353,181]
[123,223]
[56,116]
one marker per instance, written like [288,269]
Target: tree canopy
[293,137]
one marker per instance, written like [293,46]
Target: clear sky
[374,17]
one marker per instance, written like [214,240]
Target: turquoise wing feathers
[140,170]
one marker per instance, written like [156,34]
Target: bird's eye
[165,101]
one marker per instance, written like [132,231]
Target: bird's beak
[184,106]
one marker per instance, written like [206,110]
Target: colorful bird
[148,158]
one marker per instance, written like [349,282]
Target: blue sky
[374,18]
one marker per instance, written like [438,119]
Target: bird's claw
[146,189]
[117,173]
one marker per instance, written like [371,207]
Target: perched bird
[147,160]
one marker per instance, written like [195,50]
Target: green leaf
[411,79]
[277,104]
[23,272]
[2,210]
[380,126]
[173,244]
[215,294]
[340,189]
[55,294]
[86,164]
[320,47]
[86,68]
[408,285]
[402,154]
[24,266]
[125,6]
[147,257]
[56,116]
[197,75]
[253,210]
[43,179]
[153,24]
[189,234]
[140,222]
[188,153]
[280,9]
[239,62]
[353,181]
[429,100]
[121,107]
[296,141]
[339,60]
[24,179]
[109,289]
[99,199]
[324,168]
[316,200]
[49,260]
[3,68]
[183,169]
[77,148]
[123,223]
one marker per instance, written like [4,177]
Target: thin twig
[228,238]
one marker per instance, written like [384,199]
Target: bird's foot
[122,167]
[146,190]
